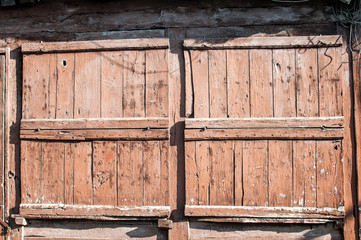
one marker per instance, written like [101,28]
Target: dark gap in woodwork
[192,81]
[63,63]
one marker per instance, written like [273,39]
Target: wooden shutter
[265,128]
[94,129]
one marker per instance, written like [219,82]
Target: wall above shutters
[95,129]
[265,128]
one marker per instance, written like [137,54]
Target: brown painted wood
[265,42]
[280,173]
[83,192]
[156,93]
[238,173]
[238,83]
[69,173]
[94,210]
[307,82]
[217,84]
[261,102]
[284,83]
[87,85]
[191,171]
[94,134]
[325,122]
[52,88]
[304,176]
[130,174]
[255,179]
[134,123]
[189,88]
[200,81]
[30,172]
[272,133]
[104,172]
[264,212]
[134,83]
[65,85]
[111,85]
[330,85]
[125,44]
[203,168]
[164,173]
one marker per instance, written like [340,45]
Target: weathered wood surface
[96,230]
[254,134]
[261,42]
[103,123]
[300,122]
[264,212]
[94,210]
[217,231]
[133,44]
[94,84]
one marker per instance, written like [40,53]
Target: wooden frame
[104,45]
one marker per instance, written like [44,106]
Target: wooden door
[267,136]
[94,129]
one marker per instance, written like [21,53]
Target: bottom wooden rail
[264,212]
[97,212]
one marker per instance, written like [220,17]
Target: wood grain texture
[52,89]
[152,179]
[134,84]
[307,83]
[191,171]
[238,83]
[217,84]
[280,174]
[189,90]
[200,75]
[111,85]
[261,83]
[238,173]
[156,83]
[203,168]
[104,171]
[69,173]
[284,83]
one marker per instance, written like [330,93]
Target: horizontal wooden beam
[258,134]
[263,220]
[234,123]
[66,124]
[93,210]
[96,134]
[265,42]
[101,45]
[264,212]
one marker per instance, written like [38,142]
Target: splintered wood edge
[95,211]
[265,42]
[264,212]
[100,45]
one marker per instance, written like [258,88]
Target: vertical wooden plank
[238,83]
[164,171]
[191,172]
[284,82]
[134,83]
[65,86]
[111,84]
[221,173]
[280,173]
[304,175]
[189,91]
[307,82]
[69,173]
[87,85]
[2,130]
[152,180]
[199,60]
[52,89]
[35,86]
[261,83]
[30,171]
[255,185]
[218,83]
[156,83]
[52,172]
[328,182]
[238,173]
[82,173]
[202,163]
[130,173]
[104,173]
[330,85]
